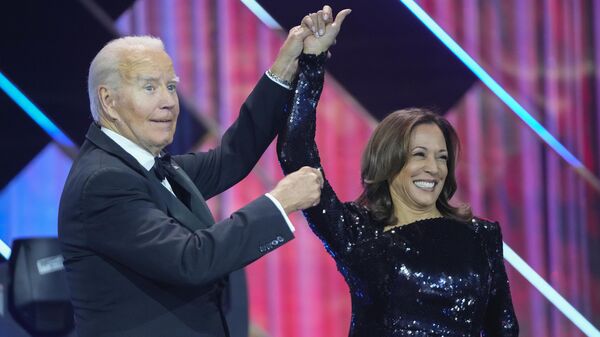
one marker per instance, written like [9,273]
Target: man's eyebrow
[147,78]
[156,79]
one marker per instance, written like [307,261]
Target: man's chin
[165,143]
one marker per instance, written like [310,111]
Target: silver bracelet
[279,80]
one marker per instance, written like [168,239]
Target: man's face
[146,103]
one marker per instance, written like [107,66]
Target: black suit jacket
[141,263]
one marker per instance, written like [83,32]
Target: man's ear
[107,99]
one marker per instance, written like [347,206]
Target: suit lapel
[101,140]
[197,218]
[186,217]
[197,202]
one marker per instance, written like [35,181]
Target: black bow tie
[162,165]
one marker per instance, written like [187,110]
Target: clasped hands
[323,29]
[315,34]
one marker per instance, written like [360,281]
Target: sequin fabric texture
[433,277]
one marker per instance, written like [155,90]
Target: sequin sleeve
[500,319]
[334,222]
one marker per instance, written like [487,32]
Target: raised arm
[260,117]
[332,221]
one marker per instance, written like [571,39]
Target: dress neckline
[417,222]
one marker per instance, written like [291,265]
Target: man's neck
[142,155]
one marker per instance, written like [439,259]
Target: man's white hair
[104,69]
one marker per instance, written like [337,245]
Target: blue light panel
[40,118]
[34,112]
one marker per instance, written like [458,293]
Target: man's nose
[168,99]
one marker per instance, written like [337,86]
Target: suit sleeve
[500,319]
[125,225]
[242,145]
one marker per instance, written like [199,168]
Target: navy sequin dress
[433,277]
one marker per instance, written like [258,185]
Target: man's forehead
[147,65]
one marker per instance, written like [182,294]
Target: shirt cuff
[278,81]
[278,205]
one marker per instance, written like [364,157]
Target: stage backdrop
[545,53]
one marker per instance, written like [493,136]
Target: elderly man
[143,254]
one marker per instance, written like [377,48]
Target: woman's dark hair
[386,154]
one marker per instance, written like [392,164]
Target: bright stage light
[261,13]
[4,250]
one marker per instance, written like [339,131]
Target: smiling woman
[408,169]
[415,265]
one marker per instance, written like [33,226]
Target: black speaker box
[37,293]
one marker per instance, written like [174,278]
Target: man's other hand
[299,190]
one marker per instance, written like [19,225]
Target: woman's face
[420,182]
